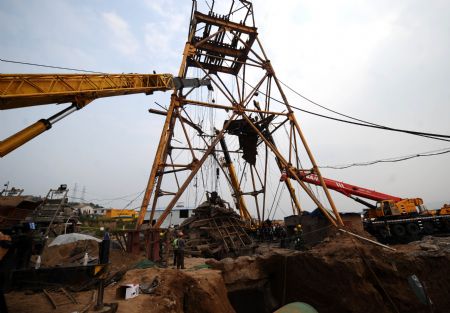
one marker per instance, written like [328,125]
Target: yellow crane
[24,90]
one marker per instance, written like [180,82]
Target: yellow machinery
[404,207]
[234,181]
[121,214]
[24,90]
[445,209]
[386,208]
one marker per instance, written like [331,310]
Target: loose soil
[341,274]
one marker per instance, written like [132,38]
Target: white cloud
[159,7]
[164,38]
[123,40]
[156,41]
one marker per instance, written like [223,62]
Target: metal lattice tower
[251,106]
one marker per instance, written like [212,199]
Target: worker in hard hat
[299,244]
[179,250]
[162,246]
[175,250]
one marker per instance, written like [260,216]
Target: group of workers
[290,237]
[295,241]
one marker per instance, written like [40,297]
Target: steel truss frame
[218,46]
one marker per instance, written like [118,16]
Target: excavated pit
[341,276]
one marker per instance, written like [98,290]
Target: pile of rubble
[215,230]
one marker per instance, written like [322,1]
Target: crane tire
[428,228]
[398,230]
[413,229]
[446,225]
[383,235]
[383,232]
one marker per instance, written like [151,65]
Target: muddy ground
[340,275]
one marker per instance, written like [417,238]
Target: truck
[391,219]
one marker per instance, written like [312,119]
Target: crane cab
[388,208]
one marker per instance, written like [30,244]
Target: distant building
[84,209]
[178,214]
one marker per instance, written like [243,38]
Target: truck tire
[382,235]
[428,228]
[398,230]
[446,225]
[413,229]
[383,232]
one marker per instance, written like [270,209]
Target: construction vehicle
[391,219]
[24,90]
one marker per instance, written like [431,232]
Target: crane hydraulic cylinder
[13,142]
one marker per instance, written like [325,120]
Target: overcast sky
[383,61]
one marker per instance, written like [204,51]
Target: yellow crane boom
[24,90]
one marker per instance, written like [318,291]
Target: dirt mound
[73,254]
[195,290]
[70,253]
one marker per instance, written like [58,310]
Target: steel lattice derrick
[225,48]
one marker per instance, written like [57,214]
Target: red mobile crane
[392,218]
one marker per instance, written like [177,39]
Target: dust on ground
[342,274]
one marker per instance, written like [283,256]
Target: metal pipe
[103,258]
[366,239]
[62,114]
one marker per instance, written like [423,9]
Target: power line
[125,197]
[357,119]
[364,124]
[427,135]
[129,203]
[390,160]
[324,107]
[107,201]
[50,66]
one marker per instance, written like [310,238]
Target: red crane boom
[347,189]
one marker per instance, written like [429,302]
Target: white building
[176,217]
[84,209]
